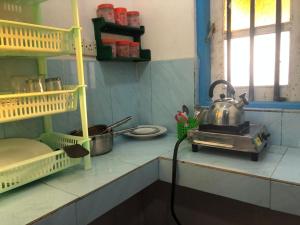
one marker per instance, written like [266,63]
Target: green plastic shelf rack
[26,171]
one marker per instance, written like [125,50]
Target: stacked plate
[147,131]
[14,150]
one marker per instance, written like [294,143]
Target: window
[262,30]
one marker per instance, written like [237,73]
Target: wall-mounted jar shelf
[104,53]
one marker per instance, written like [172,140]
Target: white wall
[170,24]
[170,27]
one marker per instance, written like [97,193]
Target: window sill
[268,106]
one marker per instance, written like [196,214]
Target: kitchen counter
[76,196]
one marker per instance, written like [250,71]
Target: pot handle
[214,84]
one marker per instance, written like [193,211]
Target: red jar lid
[123,42]
[120,10]
[105,6]
[134,44]
[108,41]
[133,13]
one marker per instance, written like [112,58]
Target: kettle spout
[242,102]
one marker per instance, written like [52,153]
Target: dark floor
[151,207]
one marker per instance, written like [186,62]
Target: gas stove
[250,138]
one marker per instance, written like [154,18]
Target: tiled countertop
[232,161]
[76,196]
[130,167]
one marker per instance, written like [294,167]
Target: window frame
[204,62]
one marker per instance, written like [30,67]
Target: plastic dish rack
[28,105]
[24,172]
[182,128]
[26,39]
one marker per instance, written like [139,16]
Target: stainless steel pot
[101,143]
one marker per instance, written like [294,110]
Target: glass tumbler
[35,85]
[53,84]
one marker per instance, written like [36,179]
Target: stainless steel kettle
[226,111]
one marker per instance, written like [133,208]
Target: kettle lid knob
[222,96]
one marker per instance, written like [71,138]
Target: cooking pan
[101,140]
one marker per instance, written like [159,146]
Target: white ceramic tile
[139,152]
[101,201]
[172,86]
[31,202]
[145,93]
[123,82]
[2,131]
[98,95]
[66,122]
[248,189]
[231,161]
[31,128]
[285,198]
[81,182]
[70,71]
[63,216]
[288,169]
[290,129]
[272,120]
[56,68]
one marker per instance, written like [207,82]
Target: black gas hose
[174,174]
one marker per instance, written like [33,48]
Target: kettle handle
[214,84]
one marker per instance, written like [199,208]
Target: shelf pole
[42,67]
[80,74]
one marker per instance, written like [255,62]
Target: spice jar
[133,18]
[121,16]
[112,44]
[134,49]
[107,12]
[123,48]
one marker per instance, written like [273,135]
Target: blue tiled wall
[165,86]
[152,92]
[112,92]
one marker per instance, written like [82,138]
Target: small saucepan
[101,140]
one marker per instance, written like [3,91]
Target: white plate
[13,150]
[144,129]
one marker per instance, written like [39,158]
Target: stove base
[253,156]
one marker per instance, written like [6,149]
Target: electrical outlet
[88,48]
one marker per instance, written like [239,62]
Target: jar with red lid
[112,44]
[133,18]
[121,16]
[107,12]
[134,49]
[123,48]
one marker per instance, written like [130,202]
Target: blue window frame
[203,52]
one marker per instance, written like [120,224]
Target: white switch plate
[88,48]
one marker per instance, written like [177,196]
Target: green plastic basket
[182,129]
[35,168]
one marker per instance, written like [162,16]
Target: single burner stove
[251,138]
[238,130]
